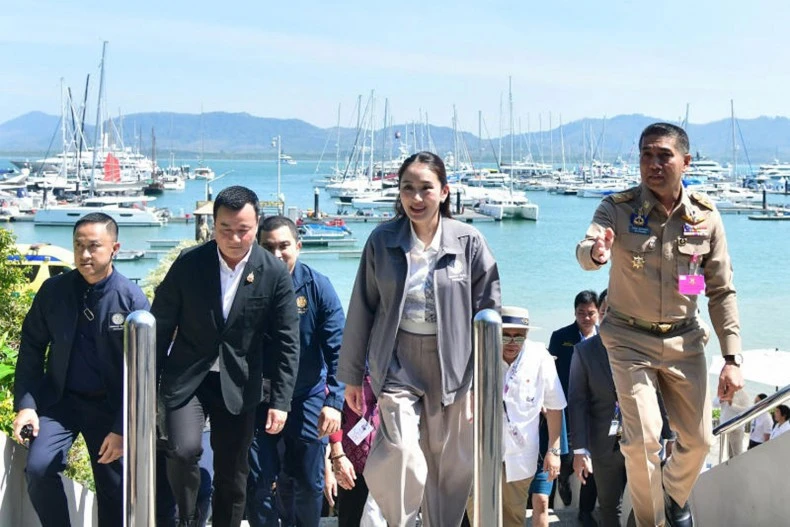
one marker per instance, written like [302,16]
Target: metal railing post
[139,413]
[488,419]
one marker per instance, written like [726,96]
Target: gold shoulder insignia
[622,197]
[702,200]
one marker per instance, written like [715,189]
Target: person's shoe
[564,490]
[676,515]
[586,519]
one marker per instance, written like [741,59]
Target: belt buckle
[664,327]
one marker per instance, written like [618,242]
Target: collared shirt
[419,309]
[761,426]
[652,249]
[531,383]
[229,280]
[780,429]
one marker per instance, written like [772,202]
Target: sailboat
[507,203]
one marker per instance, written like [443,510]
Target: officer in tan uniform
[666,246]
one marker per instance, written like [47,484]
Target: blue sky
[302,58]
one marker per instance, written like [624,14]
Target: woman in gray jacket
[422,278]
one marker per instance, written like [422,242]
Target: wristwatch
[555,451]
[736,359]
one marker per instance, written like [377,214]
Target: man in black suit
[595,425]
[561,346]
[228,307]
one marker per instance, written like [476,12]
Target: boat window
[30,272]
[55,270]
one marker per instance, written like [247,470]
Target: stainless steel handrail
[488,417]
[742,418]
[139,417]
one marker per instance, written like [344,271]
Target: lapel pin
[250,278]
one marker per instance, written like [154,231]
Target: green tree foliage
[13,305]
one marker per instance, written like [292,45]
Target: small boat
[776,215]
[128,255]
[320,234]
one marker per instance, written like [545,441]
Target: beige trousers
[675,363]
[514,502]
[422,454]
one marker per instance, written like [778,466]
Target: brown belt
[653,327]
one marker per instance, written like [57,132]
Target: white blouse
[419,307]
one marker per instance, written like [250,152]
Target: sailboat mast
[337,144]
[99,132]
[734,142]
[510,102]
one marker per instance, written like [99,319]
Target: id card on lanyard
[509,376]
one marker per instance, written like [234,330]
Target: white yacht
[504,204]
[126,211]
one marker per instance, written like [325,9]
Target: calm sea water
[536,259]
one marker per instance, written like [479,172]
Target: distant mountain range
[243,135]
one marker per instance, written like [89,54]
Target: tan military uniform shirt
[651,250]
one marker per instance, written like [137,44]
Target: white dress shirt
[229,280]
[419,307]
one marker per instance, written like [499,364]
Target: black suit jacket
[561,346]
[592,397]
[259,339]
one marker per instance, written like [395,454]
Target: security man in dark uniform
[667,246]
[76,387]
[318,395]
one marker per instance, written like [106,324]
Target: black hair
[272,223]
[586,297]
[435,165]
[98,217]
[667,130]
[235,198]
[784,410]
[761,396]
[602,297]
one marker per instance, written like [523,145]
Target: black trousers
[231,436]
[351,503]
[59,426]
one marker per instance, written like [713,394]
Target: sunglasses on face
[507,339]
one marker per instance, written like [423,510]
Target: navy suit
[321,322]
[55,320]
[561,346]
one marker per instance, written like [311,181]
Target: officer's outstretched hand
[730,381]
[26,416]
[111,449]
[601,250]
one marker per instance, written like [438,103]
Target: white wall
[750,489]
[15,506]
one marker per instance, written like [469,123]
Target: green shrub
[157,274]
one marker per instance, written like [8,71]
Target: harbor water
[537,264]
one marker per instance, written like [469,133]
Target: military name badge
[638,224]
[301,304]
[116,321]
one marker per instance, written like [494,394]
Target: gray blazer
[466,281]
[591,399]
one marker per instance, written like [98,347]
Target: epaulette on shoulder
[702,200]
[622,197]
